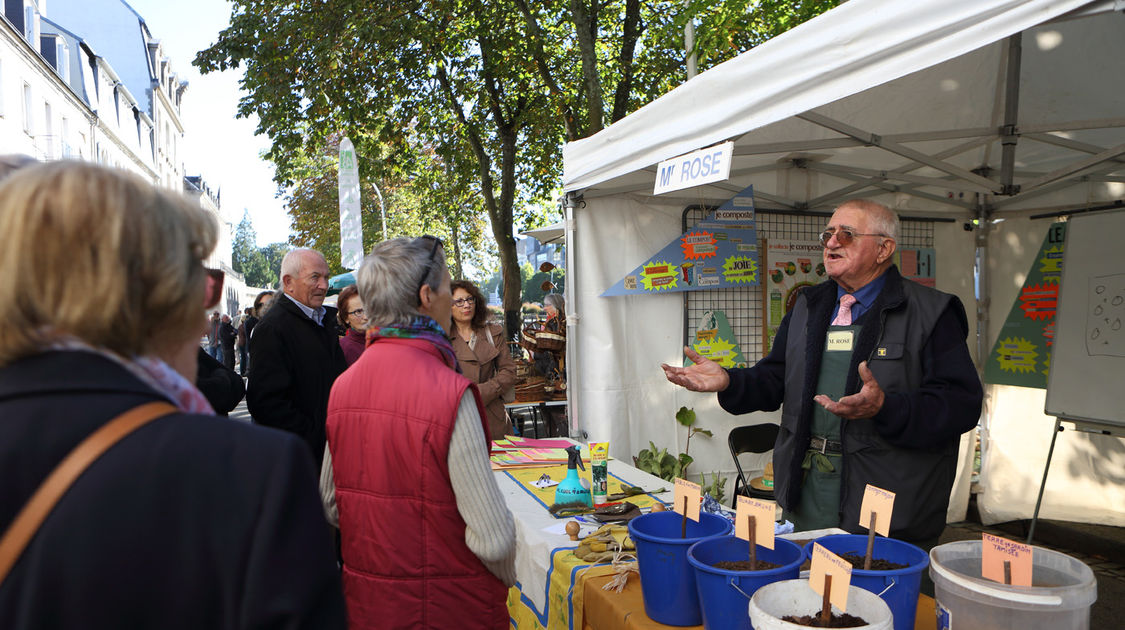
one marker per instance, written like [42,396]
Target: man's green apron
[819,507]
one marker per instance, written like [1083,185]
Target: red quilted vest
[406,564]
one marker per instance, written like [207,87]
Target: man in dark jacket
[227,336]
[296,353]
[877,385]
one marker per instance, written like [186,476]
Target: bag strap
[36,510]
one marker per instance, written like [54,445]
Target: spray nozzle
[574,457]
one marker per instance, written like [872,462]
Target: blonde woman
[190,521]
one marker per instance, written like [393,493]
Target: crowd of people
[362,495]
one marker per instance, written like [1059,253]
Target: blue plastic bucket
[667,580]
[724,596]
[899,588]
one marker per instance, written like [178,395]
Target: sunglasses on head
[843,236]
[214,292]
[429,260]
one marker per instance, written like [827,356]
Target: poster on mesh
[720,252]
[1022,353]
[715,340]
[790,265]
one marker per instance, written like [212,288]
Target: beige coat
[490,366]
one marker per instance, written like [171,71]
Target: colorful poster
[715,340]
[719,252]
[1022,353]
[789,266]
[917,264]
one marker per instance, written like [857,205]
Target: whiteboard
[1087,374]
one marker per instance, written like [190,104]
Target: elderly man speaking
[296,352]
[875,380]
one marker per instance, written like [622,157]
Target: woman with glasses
[483,355]
[349,310]
[188,520]
[426,538]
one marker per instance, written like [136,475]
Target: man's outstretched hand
[704,376]
[863,404]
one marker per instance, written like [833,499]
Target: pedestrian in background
[483,355]
[261,303]
[189,521]
[242,342]
[353,319]
[227,335]
[213,346]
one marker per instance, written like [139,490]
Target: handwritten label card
[763,513]
[996,550]
[685,489]
[880,501]
[824,563]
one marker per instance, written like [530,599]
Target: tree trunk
[584,29]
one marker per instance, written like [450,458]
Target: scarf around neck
[419,327]
[150,370]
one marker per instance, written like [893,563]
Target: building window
[29,24]
[1,89]
[65,137]
[62,60]
[27,108]
[48,131]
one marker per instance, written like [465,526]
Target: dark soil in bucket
[836,621]
[744,565]
[877,564]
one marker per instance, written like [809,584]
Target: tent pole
[1008,137]
[570,202]
[984,300]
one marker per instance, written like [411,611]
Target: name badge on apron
[840,341]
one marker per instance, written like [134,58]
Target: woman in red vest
[426,539]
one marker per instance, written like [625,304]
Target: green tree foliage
[492,88]
[260,266]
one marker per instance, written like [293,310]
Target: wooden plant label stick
[764,513]
[826,601]
[1005,561]
[825,563]
[753,546]
[870,541]
[683,524]
[693,493]
[881,502]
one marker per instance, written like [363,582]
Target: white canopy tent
[993,110]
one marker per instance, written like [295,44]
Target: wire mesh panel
[743,306]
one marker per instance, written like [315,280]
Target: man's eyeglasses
[214,292]
[359,312]
[429,260]
[465,301]
[843,236]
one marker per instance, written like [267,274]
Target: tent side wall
[623,395]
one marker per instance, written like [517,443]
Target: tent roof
[550,234]
[907,97]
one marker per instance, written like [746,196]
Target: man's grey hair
[883,219]
[389,276]
[294,262]
[556,300]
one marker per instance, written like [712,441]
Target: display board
[1088,358]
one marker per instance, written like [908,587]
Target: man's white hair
[294,263]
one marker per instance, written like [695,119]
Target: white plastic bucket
[795,597]
[967,601]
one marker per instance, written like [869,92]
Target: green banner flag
[1022,353]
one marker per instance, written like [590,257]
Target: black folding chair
[754,438]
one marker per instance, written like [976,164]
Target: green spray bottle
[571,490]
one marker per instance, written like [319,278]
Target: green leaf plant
[665,465]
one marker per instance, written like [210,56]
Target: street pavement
[240,412]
